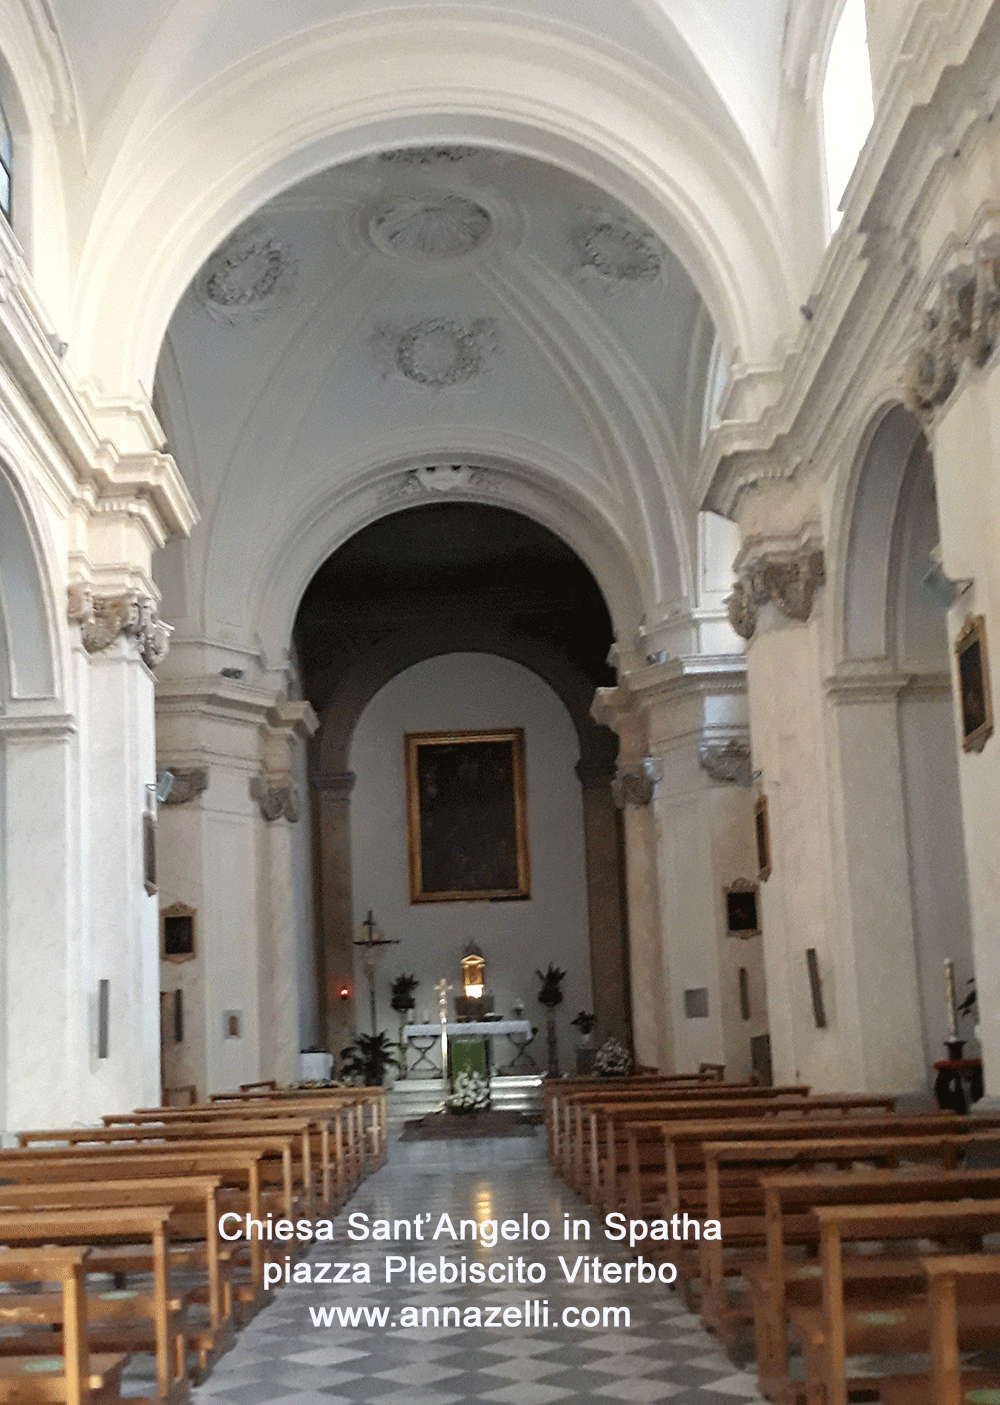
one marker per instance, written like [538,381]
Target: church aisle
[283,1359]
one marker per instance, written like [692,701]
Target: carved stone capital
[727,761]
[105,618]
[636,785]
[962,325]
[186,785]
[789,582]
[277,799]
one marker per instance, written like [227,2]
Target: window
[847,102]
[5,167]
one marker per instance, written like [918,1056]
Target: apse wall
[473,692]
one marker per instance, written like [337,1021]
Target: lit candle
[949,988]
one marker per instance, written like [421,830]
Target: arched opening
[893,616]
[445,619]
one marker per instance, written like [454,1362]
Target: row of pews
[847,1229]
[111,1235]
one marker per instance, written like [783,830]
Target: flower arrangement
[612,1060]
[472,1093]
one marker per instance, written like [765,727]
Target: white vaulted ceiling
[357,239]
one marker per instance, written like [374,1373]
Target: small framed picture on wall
[973,680]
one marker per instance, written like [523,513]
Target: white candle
[949,988]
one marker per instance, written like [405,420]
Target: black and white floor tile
[281,1358]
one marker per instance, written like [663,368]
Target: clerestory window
[6,159]
[848,109]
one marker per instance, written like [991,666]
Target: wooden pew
[300,1129]
[792,1202]
[680,1182]
[372,1100]
[343,1161]
[612,1123]
[555,1091]
[239,1172]
[120,1225]
[75,1376]
[950,1278]
[739,1203]
[194,1202]
[583,1123]
[838,1329]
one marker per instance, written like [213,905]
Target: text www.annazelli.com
[535,1314]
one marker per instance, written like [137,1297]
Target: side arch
[29,666]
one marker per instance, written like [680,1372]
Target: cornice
[700,675]
[878,680]
[18,723]
[225,699]
[104,472]
[872,262]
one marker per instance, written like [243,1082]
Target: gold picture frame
[467,823]
[975,700]
[762,831]
[178,933]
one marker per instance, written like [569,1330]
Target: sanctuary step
[414,1097]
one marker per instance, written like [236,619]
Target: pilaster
[689,829]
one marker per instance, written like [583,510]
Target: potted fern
[550,996]
[368,1059]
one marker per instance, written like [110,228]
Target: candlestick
[949,987]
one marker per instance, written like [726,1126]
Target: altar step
[414,1097]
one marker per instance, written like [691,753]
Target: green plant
[584,1022]
[968,1006]
[368,1059]
[401,992]
[550,993]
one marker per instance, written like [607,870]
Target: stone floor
[282,1358]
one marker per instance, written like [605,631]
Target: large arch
[525,481]
[529,90]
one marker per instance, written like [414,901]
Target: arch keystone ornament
[636,785]
[105,618]
[788,582]
[278,799]
[963,325]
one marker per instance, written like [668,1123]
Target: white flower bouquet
[472,1093]
[612,1060]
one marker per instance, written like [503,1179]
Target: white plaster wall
[939,886]
[471,692]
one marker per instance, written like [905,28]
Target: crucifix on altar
[443,988]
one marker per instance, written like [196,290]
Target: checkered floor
[283,1359]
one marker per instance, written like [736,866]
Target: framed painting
[974,696]
[467,824]
[742,919]
[178,941]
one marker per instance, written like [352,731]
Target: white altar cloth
[453,1028]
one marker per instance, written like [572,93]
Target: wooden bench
[950,1280]
[610,1169]
[563,1125]
[261,1172]
[112,1227]
[583,1123]
[738,1202]
[878,1317]
[194,1203]
[75,1376]
[168,1134]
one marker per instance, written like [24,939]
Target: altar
[474,1038]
